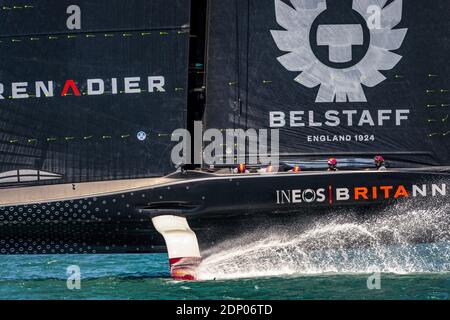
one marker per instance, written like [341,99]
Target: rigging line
[247,64]
[238,64]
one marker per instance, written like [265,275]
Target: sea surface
[146,277]
[401,253]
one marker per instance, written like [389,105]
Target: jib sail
[91,90]
[353,77]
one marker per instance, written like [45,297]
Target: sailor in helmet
[296,169]
[241,168]
[379,163]
[332,164]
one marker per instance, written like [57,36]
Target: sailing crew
[241,168]
[295,169]
[379,163]
[332,164]
[269,169]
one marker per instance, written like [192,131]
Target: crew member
[379,163]
[332,164]
[241,168]
[269,169]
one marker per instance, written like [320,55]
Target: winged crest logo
[342,76]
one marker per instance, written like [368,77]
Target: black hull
[217,207]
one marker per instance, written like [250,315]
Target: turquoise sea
[146,277]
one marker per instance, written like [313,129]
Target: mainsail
[336,77]
[91,90]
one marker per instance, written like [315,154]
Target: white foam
[341,243]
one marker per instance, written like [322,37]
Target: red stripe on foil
[184,268]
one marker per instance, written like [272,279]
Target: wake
[410,237]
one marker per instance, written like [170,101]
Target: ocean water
[146,277]
[401,253]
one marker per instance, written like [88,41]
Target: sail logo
[91,87]
[141,136]
[339,45]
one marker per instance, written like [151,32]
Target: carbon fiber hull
[217,207]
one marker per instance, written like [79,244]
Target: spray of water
[410,237]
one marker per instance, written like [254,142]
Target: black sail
[94,101]
[342,83]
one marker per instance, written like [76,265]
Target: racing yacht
[92,93]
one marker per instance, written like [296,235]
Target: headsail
[91,90]
[357,78]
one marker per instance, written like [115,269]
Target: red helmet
[379,159]
[332,162]
[241,168]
